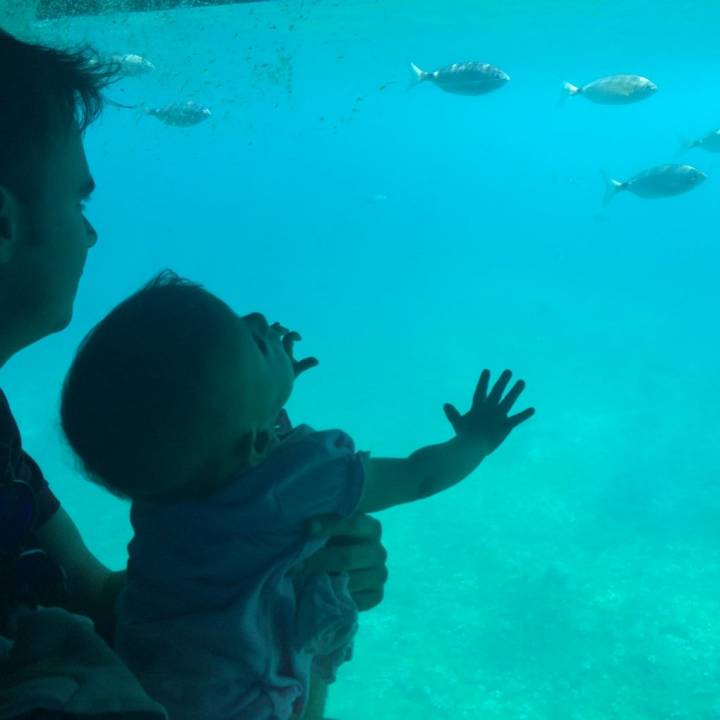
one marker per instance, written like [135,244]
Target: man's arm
[93,587]
[317,696]
[315,708]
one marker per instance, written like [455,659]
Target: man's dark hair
[137,401]
[42,92]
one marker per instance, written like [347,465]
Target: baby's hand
[299,366]
[487,422]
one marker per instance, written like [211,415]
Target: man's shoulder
[9,434]
[16,464]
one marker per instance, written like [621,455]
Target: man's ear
[10,218]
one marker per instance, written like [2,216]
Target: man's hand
[487,422]
[38,634]
[299,366]
[355,548]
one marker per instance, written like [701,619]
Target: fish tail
[685,144]
[612,188]
[419,75]
[567,90]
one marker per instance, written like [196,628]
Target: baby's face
[250,381]
[258,379]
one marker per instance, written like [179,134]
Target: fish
[133,65]
[657,182]
[469,78]
[614,89]
[117,104]
[180,114]
[710,142]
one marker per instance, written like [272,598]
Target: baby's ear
[243,449]
[260,446]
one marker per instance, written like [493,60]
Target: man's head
[173,391]
[49,98]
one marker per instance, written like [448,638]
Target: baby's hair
[135,404]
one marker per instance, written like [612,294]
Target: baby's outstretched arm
[434,468]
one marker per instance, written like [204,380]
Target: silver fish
[470,78]
[709,142]
[133,65]
[181,114]
[614,89]
[661,181]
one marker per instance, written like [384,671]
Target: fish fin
[419,75]
[612,187]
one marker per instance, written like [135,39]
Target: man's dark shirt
[16,463]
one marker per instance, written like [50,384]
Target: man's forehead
[63,144]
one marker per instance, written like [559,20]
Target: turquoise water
[415,237]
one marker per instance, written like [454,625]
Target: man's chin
[61,323]
[46,329]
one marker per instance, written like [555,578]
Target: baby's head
[173,391]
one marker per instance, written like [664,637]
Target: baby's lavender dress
[211,621]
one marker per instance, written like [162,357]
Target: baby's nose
[258,320]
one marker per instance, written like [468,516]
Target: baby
[173,400]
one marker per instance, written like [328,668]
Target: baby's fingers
[452,414]
[289,340]
[299,366]
[521,417]
[499,387]
[509,400]
[481,388]
[305,364]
